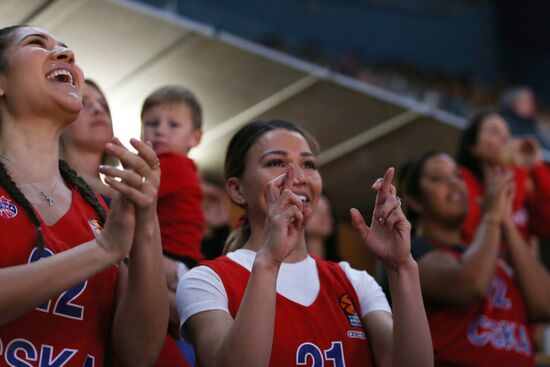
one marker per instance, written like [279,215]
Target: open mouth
[304,198]
[62,76]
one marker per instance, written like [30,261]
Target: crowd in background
[474,281]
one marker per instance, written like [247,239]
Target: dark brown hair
[236,158]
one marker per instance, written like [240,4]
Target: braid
[11,188]
[73,179]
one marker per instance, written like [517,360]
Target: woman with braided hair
[65,294]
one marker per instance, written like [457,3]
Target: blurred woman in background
[83,142]
[486,149]
[480,300]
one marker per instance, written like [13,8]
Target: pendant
[48,198]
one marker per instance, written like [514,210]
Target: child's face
[169,127]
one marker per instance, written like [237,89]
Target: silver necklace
[48,197]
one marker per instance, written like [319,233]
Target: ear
[234,190]
[196,137]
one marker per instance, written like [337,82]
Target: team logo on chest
[349,310]
[7,209]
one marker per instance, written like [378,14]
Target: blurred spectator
[480,304]
[216,219]
[82,144]
[485,149]
[519,109]
[322,231]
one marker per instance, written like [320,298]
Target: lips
[62,75]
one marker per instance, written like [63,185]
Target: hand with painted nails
[140,178]
[388,236]
[284,222]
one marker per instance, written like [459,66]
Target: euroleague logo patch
[349,310]
[95,225]
[7,209]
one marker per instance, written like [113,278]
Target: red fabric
[72,328]
[492,332]
[531,204]
[323,329]
[170,355]
[179,207]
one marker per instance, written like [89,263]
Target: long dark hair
[6,35]
[408,183]
[465,156]
[67,173]
[235,163]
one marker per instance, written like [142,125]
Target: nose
[299,173]
[63,53]
[160,129]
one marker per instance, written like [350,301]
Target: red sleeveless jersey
[71,329]
[329,332]
[492,332]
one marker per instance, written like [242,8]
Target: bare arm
[533,279]
[25,287]
[221,341]
[141,316]
[406,341]
[247,340]
[467,279]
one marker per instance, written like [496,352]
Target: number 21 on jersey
[309,352]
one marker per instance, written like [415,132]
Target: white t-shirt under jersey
[201,289]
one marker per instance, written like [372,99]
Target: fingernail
[109,146]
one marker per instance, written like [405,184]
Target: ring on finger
[398,205]
[141,182]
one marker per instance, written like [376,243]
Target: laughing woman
[65,294]
[268,303]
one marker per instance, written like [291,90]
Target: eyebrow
[282,152]
[44,37]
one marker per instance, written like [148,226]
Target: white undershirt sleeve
[370,294]
[200,289]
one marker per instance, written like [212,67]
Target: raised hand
[530,152]
[500,193]
[388,236]
[140,178]
[284,221]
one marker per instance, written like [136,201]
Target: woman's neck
[443,234]
[316,246]
[35,151]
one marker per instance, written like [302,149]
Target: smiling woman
[64,293]
[83,142]
[480,303]
[268,303]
